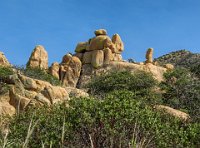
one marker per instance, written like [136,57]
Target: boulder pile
[100,50]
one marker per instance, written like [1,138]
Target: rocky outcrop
[3,60]
[88,71]
[100,49]
[176,113]
[180,58]
[25,92]
[38,58]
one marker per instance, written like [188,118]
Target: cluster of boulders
[100,50]
[98,55]
[68,71]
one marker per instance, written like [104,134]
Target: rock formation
[38,58]
[3,60]
[174,112]
[100,50]
[149,56]
[25,92]
[68,71]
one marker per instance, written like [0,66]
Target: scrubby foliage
[182,91]
[196,70]
[116,121]
[37,73]
[123,117]
[5,71]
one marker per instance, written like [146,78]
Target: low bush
[116,121]
[182,91]
[140,83]
[5,71]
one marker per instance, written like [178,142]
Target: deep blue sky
[58,25]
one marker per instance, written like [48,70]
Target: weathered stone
[169,67]
[54,70]
[66,58]
[174,112]
[18,101]
[98,42]
[109,44]
[100,32]
[81,47]
[149,56]
[3,60]
[79,55]
[117,57]
[38,58]
[97,58]
[87,57]
[42,99]
[119,45]
[69,73]
[6,109]
[108,56]
[74,92]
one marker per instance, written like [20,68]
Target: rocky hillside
[180,58]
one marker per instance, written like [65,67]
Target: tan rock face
[116,39]
[108,56]
[38,58]
[87,57]
[149,56]
[81,47]
[66,59]
[69,72]
[100,32]
[97,58]
[174,112]
[79,55]
[3,60]
[54,69]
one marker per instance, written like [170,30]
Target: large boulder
[108,56]
[100,32]
[97,58]
[116,39]
[38,58]
[54,70]
[3,60]
[98,43]
[87,58]
[70,71]
[81,47]
[173,112]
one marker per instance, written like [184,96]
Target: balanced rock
[81,47]
[38,58]
[149,56]
[119,45]
[3,60]
[100,32]
[66,59]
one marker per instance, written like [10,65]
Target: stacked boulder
[100,50]
[68,71]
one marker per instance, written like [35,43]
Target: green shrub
[5,71]
[116,120]
[196,70]
[37,73]
[182,91]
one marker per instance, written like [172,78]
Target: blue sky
[58,25]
